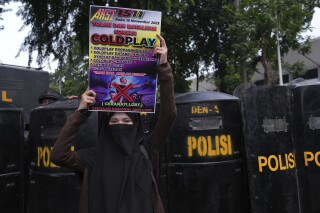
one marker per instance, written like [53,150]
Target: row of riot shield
[256,153]
[281,133]
[202,165]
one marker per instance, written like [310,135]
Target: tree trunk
[242,60]
[197,75]
[243,70]
[270,76]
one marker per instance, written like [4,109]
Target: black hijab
[120,179]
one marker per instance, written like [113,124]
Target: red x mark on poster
[122,91]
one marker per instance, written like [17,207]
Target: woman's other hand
[87,98]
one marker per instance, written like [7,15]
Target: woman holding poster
[120,174]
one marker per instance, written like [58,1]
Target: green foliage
[202,39]
[305,48]
[256,24]
[180,84]
[72,73]
[211,34]
[229,79]
[297,69]
[56,24]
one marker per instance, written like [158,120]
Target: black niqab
[120,179]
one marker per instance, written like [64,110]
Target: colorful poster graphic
[122,68]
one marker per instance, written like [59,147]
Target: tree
[258,23]
[55,24]
[71,77]
[233,67]
[201,35]
[197,35]
[192,42]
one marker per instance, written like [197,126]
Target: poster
[122,67]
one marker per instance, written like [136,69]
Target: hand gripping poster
[122,68]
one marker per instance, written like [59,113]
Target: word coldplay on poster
[122,68]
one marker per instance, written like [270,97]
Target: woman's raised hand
[161,51]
